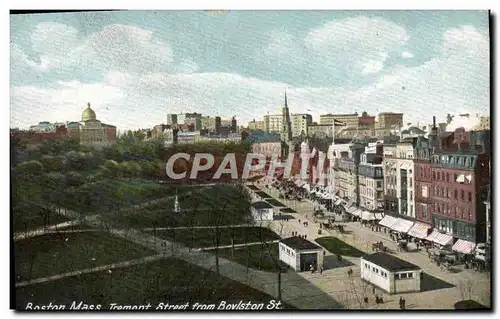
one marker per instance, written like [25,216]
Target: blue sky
[134,67]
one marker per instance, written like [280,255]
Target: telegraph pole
[279,284]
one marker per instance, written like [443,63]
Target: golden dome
[88,114]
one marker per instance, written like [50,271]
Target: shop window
[410,275]
[403,276]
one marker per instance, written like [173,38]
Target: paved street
[362,238]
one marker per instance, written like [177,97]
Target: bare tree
[465,287]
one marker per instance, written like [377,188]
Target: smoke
[468,121]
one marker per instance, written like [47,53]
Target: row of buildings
[89,131]
[441,181]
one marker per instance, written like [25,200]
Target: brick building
[460,188]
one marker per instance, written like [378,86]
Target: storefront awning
[307,187]
[439,238]
[338,201]
[357,212]
[365,215]
[419,230]
[350,209]
[379,216]
[463,246]
[388,221]
[402,225]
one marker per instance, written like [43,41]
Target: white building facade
[300,254]
[405,179]
[391,274]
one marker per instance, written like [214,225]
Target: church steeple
[286,132]
[286,102]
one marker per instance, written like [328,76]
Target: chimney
[434,122]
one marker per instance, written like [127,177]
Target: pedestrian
[320,270]
[400,302]
[305,236]
[404,304]
[299,221]
[373,289]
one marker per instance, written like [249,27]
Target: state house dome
[88,114]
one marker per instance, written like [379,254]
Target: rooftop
[298,243]
[261,205]
[390,262]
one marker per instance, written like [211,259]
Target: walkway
[123,264]
[237,245]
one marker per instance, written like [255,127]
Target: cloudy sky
[135,67]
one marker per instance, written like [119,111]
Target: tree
[30,168]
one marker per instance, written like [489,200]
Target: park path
[123,264]
[238,245]
[52,228]
[198,227]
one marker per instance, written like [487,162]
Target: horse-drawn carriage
[379,246]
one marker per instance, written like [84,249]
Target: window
[373,268]
[447,177]
[462,194]
[424,191]
[455,177]
[410,275]
[470,197]
[434,175]
[438,176]
[424,210]
[456,194]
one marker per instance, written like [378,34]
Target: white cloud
[456,79]
[358,41]
[407,55]
[372,66]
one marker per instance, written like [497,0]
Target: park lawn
[167,280]
[52,254]
[337,246]
[204,206]
[25,222]
[275,203]
[263,194]
[260,257]
[205,237]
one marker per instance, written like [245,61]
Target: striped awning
[419,230]
[388,221]
[365,215]
[402,225]
[357,212]
[350,209]
[439,238]
[338,201]
[463,246]
[379,216]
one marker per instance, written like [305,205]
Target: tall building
[273,123]
[423,181]
[286,131]
[208,123]
[348,119]
[256,125]
[405,177]
[300,124]
[171,119]
[390,120]
[320,130]
[389,164]
[181,118]
[218,125]
[484,123]
[346,158]
[371,178]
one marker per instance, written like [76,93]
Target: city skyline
[420,63]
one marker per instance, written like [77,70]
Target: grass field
[205,237]
[170,281]
[260,257]
[275,203]
[26,222]
[337,246]
[47,255]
